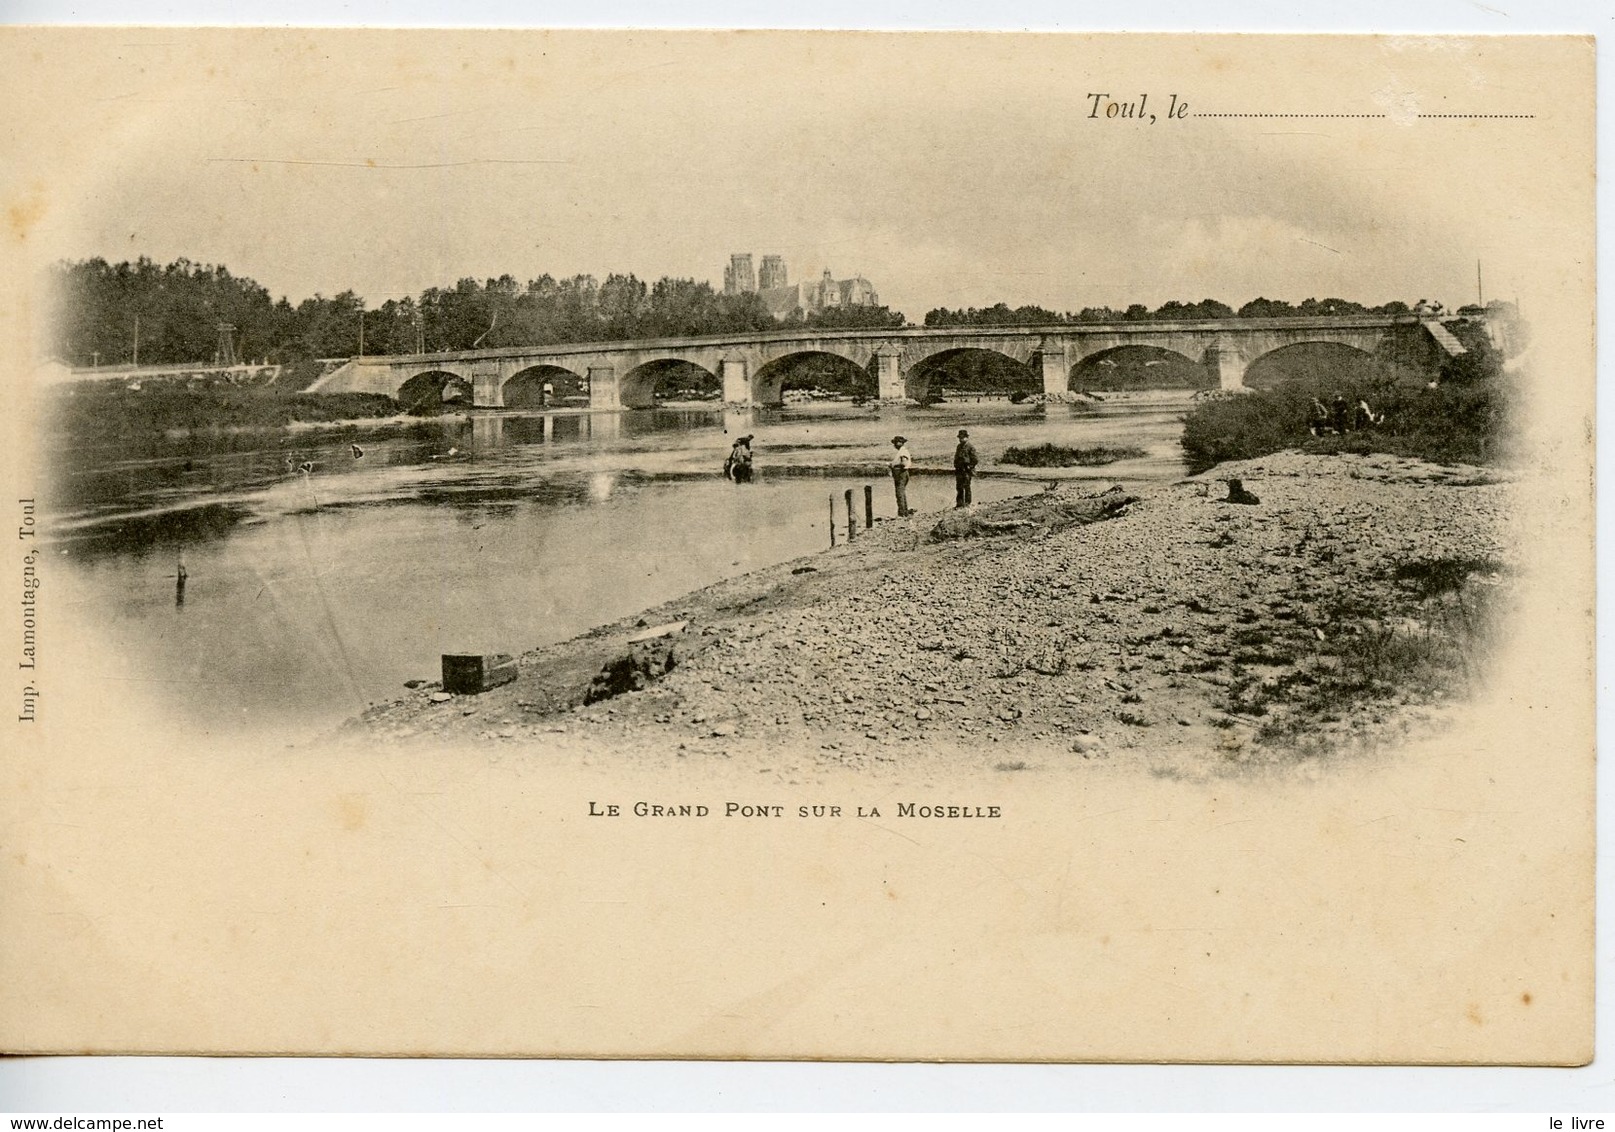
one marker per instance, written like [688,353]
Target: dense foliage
[1461,418]
[176,311]
[847,318]
[1002,315]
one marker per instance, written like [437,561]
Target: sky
[950,170]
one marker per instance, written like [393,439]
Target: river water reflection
[309,594]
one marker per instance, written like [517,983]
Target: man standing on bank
[964,469]
[901,462]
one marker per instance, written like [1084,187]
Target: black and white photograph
[741,544]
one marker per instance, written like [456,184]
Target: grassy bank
[1450,424]
[1422,635]
[111,411]
[1462,417]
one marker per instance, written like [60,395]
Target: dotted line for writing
[1233,115]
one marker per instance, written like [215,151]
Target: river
[310,593]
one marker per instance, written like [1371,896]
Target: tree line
[171,314]
[1001,314]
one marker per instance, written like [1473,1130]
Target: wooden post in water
[832,522]
[869,506]
[852,518]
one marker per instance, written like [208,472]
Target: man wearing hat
[964,469]
[901,462]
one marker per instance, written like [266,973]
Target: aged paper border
[1433,29]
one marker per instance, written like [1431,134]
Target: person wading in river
[738,466]
[964,469]
[901,462]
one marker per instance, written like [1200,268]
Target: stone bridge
[903,361]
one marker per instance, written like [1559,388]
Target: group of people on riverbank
[965,462]
[1339,416]
[738,468]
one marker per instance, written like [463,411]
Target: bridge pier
[487,391]
[604,390]
[1056,373]
[1227,365]
[889,374]
[736,382]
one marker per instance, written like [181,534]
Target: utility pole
[136,360]
[1480,293]
[361,330]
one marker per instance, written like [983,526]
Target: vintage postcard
[1001,547]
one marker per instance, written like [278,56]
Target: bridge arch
[977,367]
[1139,366]
[637,388]
[1016,344]
[1321,362]
[810,369]
[525,389]
[430,391]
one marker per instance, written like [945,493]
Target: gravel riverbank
[1178,632]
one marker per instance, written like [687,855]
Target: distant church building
[784,299]
[772,276]
[738,277]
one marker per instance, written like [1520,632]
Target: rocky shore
[1170,630]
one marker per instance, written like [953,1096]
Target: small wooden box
[467,674]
